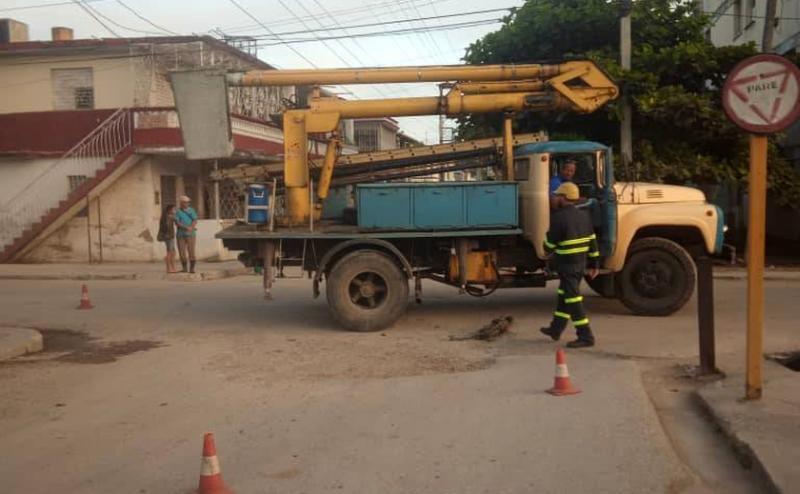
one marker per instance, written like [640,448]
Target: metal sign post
[761,95]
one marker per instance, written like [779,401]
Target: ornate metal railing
[58,180]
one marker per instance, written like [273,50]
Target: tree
[680,131]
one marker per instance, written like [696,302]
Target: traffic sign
[762,94]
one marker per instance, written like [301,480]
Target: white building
[737,22]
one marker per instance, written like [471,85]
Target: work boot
[191,266]
[183,264]
[552,333]
[580,343]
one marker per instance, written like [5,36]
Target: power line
[372,8]
[385,23]
[425,24]
[415,30]
[145,19]
[336,54]
[86,9]
[112,21]
[45,5]
[340,43]
[248,14]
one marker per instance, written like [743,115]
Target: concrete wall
[723,32]
[16,173]
[130,217]
[27,87]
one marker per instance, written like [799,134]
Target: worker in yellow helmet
[572,239]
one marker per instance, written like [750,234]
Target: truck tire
[603,285]
[366,291]
[658,278]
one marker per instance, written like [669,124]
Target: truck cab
[648,233]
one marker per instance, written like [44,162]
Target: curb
[200,276]
[15,342]
[745,453]
[767,277]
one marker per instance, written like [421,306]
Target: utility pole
[625,139]
[769,26]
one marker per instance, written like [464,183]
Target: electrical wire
[87,9]
[45,5]
[383,23]
[121,26]
[145,19]
[442,27]
[248,14]
[372,8]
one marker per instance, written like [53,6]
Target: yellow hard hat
[569,190]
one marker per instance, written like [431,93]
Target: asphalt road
[119,400]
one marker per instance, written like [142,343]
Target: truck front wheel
[658,278]
[366,291]
[603,285]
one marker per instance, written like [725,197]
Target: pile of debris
[495,329]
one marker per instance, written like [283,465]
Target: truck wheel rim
[368,290]
[653,280]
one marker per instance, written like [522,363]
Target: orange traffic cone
[562,386]
[86,304]
[210,476]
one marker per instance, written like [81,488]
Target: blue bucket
[257,204]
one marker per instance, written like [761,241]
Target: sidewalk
[205,271]
[19,341]
[765,433]
[770,273]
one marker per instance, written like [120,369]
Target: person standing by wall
[166,234]
[571,237]
[186,221]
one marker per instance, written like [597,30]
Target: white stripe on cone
[561,370]
[209,465]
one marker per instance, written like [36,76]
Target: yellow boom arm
[578,86]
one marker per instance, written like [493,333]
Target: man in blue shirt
[186,221]
[566,174]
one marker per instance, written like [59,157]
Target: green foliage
[680,131]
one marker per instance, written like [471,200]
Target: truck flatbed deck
[336,230]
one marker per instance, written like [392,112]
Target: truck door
[606,217]
[533,173]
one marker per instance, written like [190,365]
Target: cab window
[521,168]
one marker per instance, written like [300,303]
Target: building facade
[91,149]
[738,22]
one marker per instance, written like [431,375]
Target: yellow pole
[508,146]
[295,170]
[325,175]
[755,264]
[382,75]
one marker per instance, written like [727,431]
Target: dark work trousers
[570,302]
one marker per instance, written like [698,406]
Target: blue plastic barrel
[257,204]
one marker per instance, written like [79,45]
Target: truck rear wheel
[366,291]
[658,278]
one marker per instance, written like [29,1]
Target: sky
[329,19]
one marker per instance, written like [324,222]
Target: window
[75,181]
[168,190]
[521,169]
[366,137]
[84,98]
[73,89]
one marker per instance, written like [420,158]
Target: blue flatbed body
[338,231]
